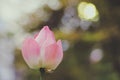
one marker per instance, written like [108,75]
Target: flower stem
[42,74]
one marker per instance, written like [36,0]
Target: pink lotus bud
[42,51]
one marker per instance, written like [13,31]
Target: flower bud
[42,51]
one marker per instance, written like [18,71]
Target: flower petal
[31,52]
[53,55]
[59,43]
[36,35]
[45,34]
[59,52]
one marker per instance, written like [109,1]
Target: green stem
[42,74]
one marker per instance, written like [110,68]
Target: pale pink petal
[59,43]
[36,35]
[41,37]
[59,52]
[31,52]
[50,37]
[45,35]
[53,55]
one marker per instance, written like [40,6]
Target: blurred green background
[89,30]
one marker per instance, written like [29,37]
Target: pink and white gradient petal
[59,52]
[31,52]
[45,34]
[53,55]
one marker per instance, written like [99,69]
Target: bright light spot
[66,45]
[54,4]
[88,11]
[69,20]
[12,10]
[7,59]
[96,55]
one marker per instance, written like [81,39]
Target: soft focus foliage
[89,30]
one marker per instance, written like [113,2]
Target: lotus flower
[42,51]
